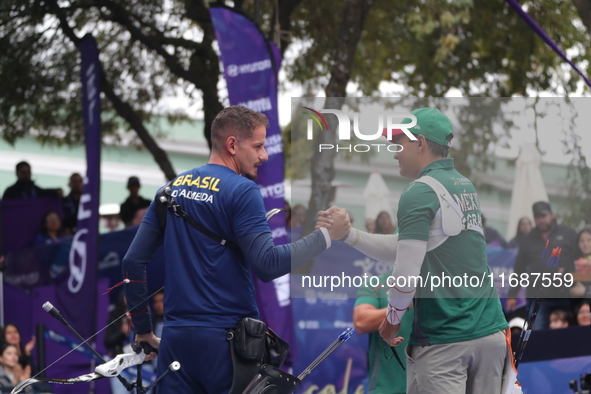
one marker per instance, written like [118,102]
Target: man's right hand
[510,304]
[152,340]
[336,221]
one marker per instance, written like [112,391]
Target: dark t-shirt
[129,208]
[21,190]
[70,207]
[529,261]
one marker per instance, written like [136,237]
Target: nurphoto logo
[385,128]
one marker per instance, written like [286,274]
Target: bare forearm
[368,320]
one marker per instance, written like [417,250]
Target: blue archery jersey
[208,284]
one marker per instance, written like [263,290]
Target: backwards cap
[431,123]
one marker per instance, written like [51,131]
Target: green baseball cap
[431,123]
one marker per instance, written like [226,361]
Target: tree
[148,50]
[481,48]
[344,55]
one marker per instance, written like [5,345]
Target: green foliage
[150,49]
[430,47]
[40,65]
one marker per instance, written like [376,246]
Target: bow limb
[110,369]
[80,379]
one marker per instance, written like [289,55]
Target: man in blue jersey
[209,286]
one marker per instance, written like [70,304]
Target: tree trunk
[584,9]
[123,109]
[322,168]
[126,112]
[285,9]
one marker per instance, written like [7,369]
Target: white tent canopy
[528,187]
[376,195]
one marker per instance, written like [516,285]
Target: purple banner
[21,220]
[26,313]
[251,65]
[76,296]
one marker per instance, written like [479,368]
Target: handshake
[336,220]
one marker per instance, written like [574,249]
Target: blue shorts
[205,357]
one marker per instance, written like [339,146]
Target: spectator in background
[138,217]
[158,313]
[385,376]
[157,318]
[529,260]
[492,236]
[583,263]
[71,202]
[298,216]
[118,337]
[11,372]
[370,225]
[11,335]
[559,319]
[583,314]
[296,222]
[134,202]
[25,187]
[384,224]
[524,226]
[118,333]
[51,229]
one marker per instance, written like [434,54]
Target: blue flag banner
[76,296]
[69,343]
[251,65]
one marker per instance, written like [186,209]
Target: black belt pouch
[253,344]
[247,344]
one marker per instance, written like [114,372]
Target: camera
[585,380]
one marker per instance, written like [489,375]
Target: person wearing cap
[529,261]
[133,203]
[457,344]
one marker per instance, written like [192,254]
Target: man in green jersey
[385,375]
[457,343]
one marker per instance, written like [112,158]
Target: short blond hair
[238,121]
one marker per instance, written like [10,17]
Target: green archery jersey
[384,376]
[466,304]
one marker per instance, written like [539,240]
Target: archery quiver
[253,345]
[272,380]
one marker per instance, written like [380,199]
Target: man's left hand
[152,340]
[389,333]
